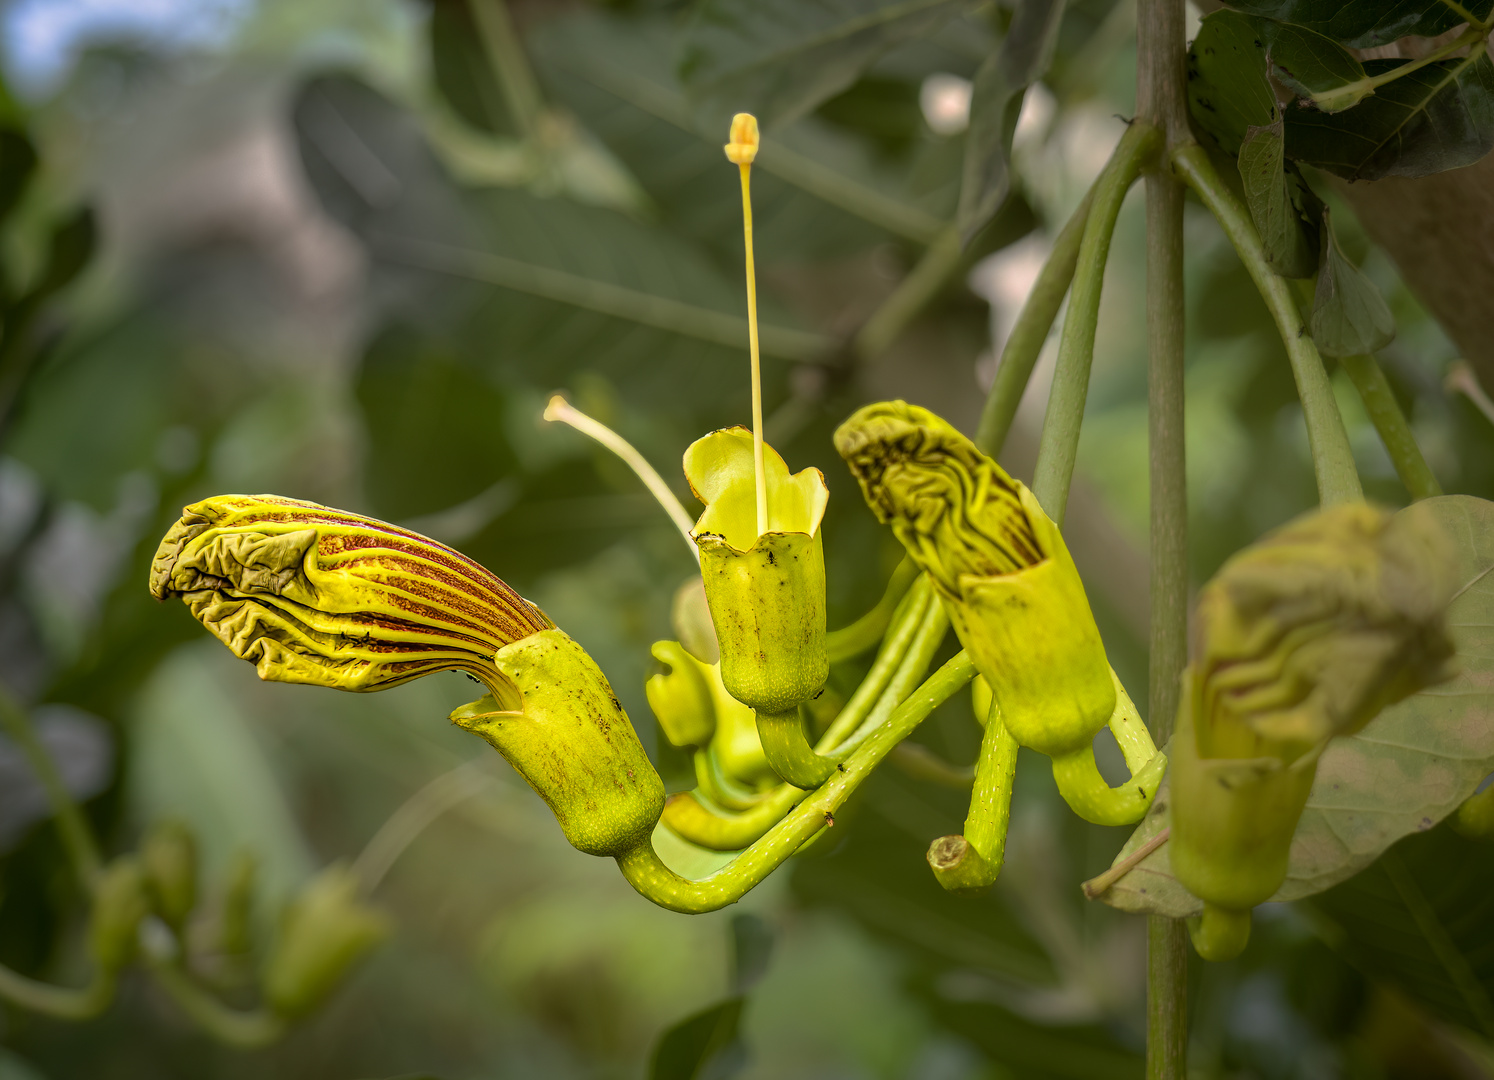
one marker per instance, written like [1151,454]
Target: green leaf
[1349,316]
[1365,23]
[1436,118]
[778,59]
[1313,66]
[1422,917]
[1276,198]
[461,71]
[705,1046]
[995,103]
[17,164]
[1228,92]
[751,949]
[1407,770]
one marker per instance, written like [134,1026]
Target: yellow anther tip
[744,139]
[556,407]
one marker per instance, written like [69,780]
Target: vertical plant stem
[1076,349]
[1332,459]
[1159,97]
[77,837]
[1030,332]
[1379,401]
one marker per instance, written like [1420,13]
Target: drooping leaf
[1422,917]
[705,1046]
[1277,198]
[778,59]
[1436,118]
[995,103]
[1349,316]
[1407,770]
[1365,23]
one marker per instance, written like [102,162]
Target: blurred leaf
[705,1046]
[373,171]
[461,72]
[17,164]
[1422,917]
[778,59]
[1276,198]
[1407,770]
[1349,316]
[1313,66]
[69,247]
[1436,118]
[752,948]
[1365,23]
[433,441]
[995,103]
[78,743]
[816,194]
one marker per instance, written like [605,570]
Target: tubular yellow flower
[310,594]
[1305,635]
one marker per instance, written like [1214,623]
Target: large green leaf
[996,100]
[372,170]
[1407,770]
[1349,316]
[1228,92]
[1364,23]
[780,58]
[1436,118]
[705,1046]
[1422,917]
[816,193]
[461,71]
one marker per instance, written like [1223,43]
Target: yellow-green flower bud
[309,594]
[119,903]
[681,696]
[1013,594]
[563,729]
[326,929]
[1305,635]
[169,857]
[766,591]
[235,930]
[1475,818]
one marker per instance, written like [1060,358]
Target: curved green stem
[851,641]
[970,863]
[655,881]
[1030,332]
[698,823]
[62,1002]
[1385,412]
[720,788]
[77,837]
[1332,459]
[905,623]
[246,1030]
[1085,790]
[784,743]
[1076,348]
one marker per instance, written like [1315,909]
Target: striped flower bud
[1305,635]
[309,594]
[1013,594]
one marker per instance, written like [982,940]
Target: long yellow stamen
[559,409]
[742,150]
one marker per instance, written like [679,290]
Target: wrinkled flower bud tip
[310,594]
[744,139]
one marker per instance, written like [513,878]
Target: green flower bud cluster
[325,930]
[1301,637]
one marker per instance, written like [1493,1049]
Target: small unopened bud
[742,148]
[169,857]
[119,903]
[235,935]
[325,931]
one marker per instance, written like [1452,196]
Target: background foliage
[336,259]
